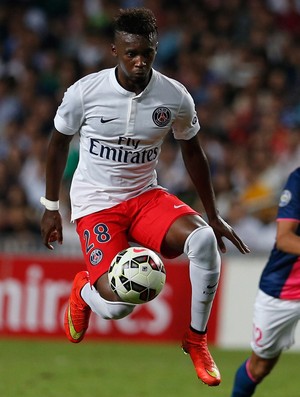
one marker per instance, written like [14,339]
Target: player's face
[135,55]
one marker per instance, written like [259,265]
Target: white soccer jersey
[121,134]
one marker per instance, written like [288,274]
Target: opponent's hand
[222,229]
[51,228]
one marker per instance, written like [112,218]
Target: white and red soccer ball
[137,275]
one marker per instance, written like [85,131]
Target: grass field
[61,369]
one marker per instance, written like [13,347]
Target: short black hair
[140,21]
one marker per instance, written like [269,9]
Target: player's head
[137,21]
[135,45]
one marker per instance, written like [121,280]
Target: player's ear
[113,50]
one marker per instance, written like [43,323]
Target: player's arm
[286,238]
[197,166]
[51,223]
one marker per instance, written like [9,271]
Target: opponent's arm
[286,238]
[51,223]
[197,166]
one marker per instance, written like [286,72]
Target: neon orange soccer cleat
[77,313]
[195,345]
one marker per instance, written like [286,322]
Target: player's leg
[250,374]
[200,246]
[103,301]
[101,239]
[260,367]
[193,236]
[274,324]
[173,228]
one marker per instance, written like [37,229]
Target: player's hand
[51,228]
[222,229]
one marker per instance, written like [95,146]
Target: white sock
[103,308]
[205,263]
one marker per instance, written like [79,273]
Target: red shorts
[144,220]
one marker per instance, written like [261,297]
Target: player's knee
[118,310]
[201,247]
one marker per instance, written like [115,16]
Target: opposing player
[123,115]
[277,304]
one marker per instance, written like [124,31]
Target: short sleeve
[69,115]
[186,124]
[289,203]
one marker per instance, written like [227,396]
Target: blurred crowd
[240,60]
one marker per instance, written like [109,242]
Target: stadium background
[241,62]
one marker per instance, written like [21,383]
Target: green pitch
[61,369]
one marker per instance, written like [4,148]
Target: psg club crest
[96,257]
[161,116]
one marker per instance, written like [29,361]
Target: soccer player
[123,115]
[277,304]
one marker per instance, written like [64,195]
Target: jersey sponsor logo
[161,116]
[126,141]
[107,120]
[179,206]
[195,119]
[96,256]
[285,198]
[121,155]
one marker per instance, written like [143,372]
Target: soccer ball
[137,275]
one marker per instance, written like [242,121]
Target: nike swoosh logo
[107,120]
[75,335]
[178,206]
[214,373]
[212,286]
[138,250]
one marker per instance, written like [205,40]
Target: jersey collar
[122,90]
